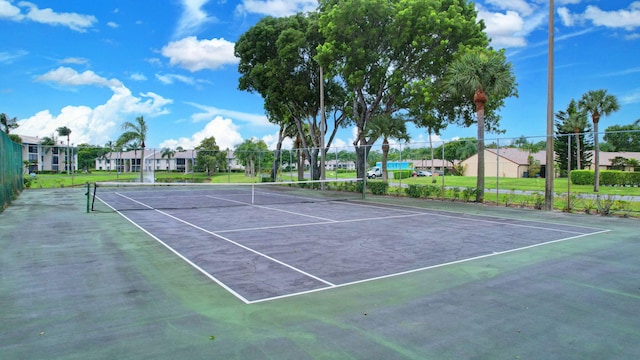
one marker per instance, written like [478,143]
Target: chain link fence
[11,178]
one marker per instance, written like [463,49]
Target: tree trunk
[480,98]
[276,160]
[577,150]
[142,164]
[385,154]
[433,169]
[362,153]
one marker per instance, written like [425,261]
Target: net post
[88,194]
[93,198]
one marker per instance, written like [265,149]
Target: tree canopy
[623,137]
[209,158]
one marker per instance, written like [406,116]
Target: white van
[374,172]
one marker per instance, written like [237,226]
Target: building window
[33,149]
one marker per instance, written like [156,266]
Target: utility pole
[548,192]
[323,129]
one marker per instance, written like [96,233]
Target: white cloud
[504,29]
[75,60]
[112,24]
[193,54]
[8,11]
[137,77]
[192,18]
[222,129]
[566,17]
[628,19]
[168,79]
[632,98]
[632,36]
[67,76]
[276,8]
[520,6]
[73,21]
[568,2]
[210,111]
[7,57]
[98,125]
[154,61]
[272,142]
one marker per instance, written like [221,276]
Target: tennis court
[267,241]
[384,278]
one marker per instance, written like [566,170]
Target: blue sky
[92,65]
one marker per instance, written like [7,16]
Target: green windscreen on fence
[10,170]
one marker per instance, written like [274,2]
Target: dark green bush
[414,191]
[607,178]
[402,174]
[582,177]
[378,187]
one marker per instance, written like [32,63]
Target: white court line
[205,273]
[413,214]
[235,243]
[274,209]
[246,248]
[426,268]
[423,212]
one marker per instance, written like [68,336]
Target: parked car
[374,173]
[422,173]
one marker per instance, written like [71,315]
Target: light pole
[548,192]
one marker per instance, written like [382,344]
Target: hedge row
[402,174]
[423,191]
[607,178]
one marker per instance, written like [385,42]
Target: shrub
[431,190]
[604,205]
[414,191]
[402,174]
[455,193]
[378,187]
[607,178]
[538,201]
[582,177]
[469,192]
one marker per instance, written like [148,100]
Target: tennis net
[124,196]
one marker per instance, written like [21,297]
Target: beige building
[607,157]
[504,162]
[437,165]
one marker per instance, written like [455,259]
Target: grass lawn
[560,185]
[513,192]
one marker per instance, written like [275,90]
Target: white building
[129,161]
[40,157]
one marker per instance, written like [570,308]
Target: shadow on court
[77,286]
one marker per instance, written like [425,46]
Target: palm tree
[135,132]
[7,123]
[576,121]
[481,74]
[598,103]
[386,127]
[65,131]
[168,153]
[110,147]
